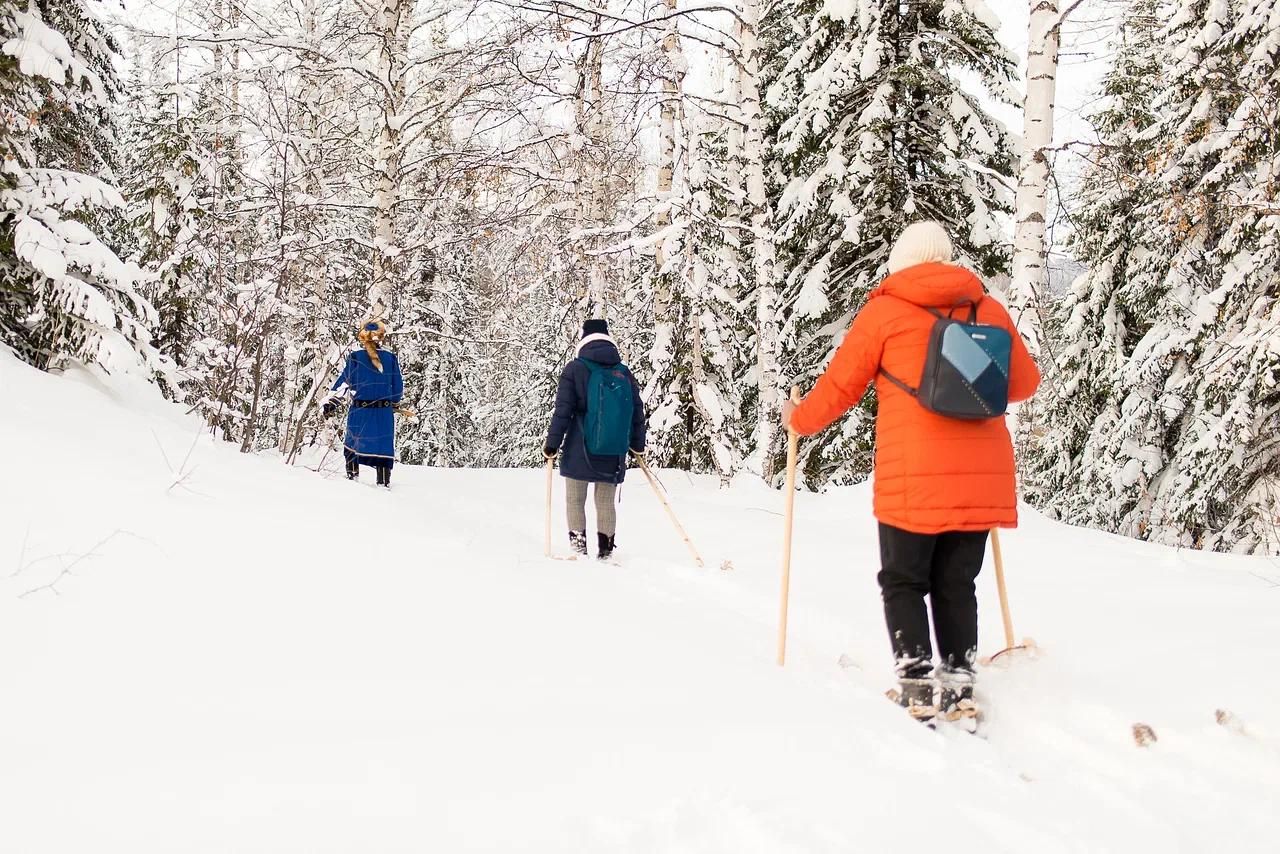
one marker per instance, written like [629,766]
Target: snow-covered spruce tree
[1221,486]
[1163,288]
[64,292]
[1180,449]
[165,175]
[700,353]
[870,130]
[694,360]
[437,346]
[1067,468]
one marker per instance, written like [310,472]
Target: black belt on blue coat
[372,404]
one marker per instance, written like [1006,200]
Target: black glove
[330,407]
[550,453]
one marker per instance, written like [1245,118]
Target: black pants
[942,567]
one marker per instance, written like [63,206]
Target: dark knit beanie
[595,327]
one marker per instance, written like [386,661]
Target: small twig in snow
[68,569]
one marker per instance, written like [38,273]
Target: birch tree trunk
[768,326]
[1030,252]
[394,19]
[672,77]
[592,125]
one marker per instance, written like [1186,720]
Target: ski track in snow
[266,659]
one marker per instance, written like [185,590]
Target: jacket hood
[933,285]
[601,351]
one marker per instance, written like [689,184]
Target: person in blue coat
[577,466]
[372,377]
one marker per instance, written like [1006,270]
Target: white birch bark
[667,128]
[768,327]
[585,188]
[394,19]
[1030,252]
[672,80]
[597,290]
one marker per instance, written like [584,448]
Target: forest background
[215,192]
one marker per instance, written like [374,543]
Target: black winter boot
[353,470]
[956,695]
[384,476]
[578,542]
[916,696]
[606,546]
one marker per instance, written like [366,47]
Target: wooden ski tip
[1228,720]
[1004,657]
[1144,735]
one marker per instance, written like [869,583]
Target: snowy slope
[264,659]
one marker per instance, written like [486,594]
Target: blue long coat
[371,431]
[571,407]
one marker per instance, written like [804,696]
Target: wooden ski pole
[1010,645]
[548,535]
[644,467]
[793,451]
[1000,586]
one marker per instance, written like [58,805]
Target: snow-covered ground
[246,657]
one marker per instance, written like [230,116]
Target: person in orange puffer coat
[940,483]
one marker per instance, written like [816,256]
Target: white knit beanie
[920,243]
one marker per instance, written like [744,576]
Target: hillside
[203,651]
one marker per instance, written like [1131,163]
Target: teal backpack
[610,405]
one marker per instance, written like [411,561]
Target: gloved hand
[550,453]
[329,408]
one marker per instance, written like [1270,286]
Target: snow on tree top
[43,52]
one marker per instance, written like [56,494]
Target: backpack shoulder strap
[899,383]
[890,377]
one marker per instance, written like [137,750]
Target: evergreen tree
[64,291]
[871,130]
[1107,310]
[1221,486]
[697,363]
[1173,377]
[438,353]
[166,176]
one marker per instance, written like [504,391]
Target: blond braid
[371,338]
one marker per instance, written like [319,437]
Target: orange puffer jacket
[932,473]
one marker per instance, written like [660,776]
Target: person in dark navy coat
[577,466]
[372,376]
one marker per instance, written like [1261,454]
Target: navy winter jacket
[571,407]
